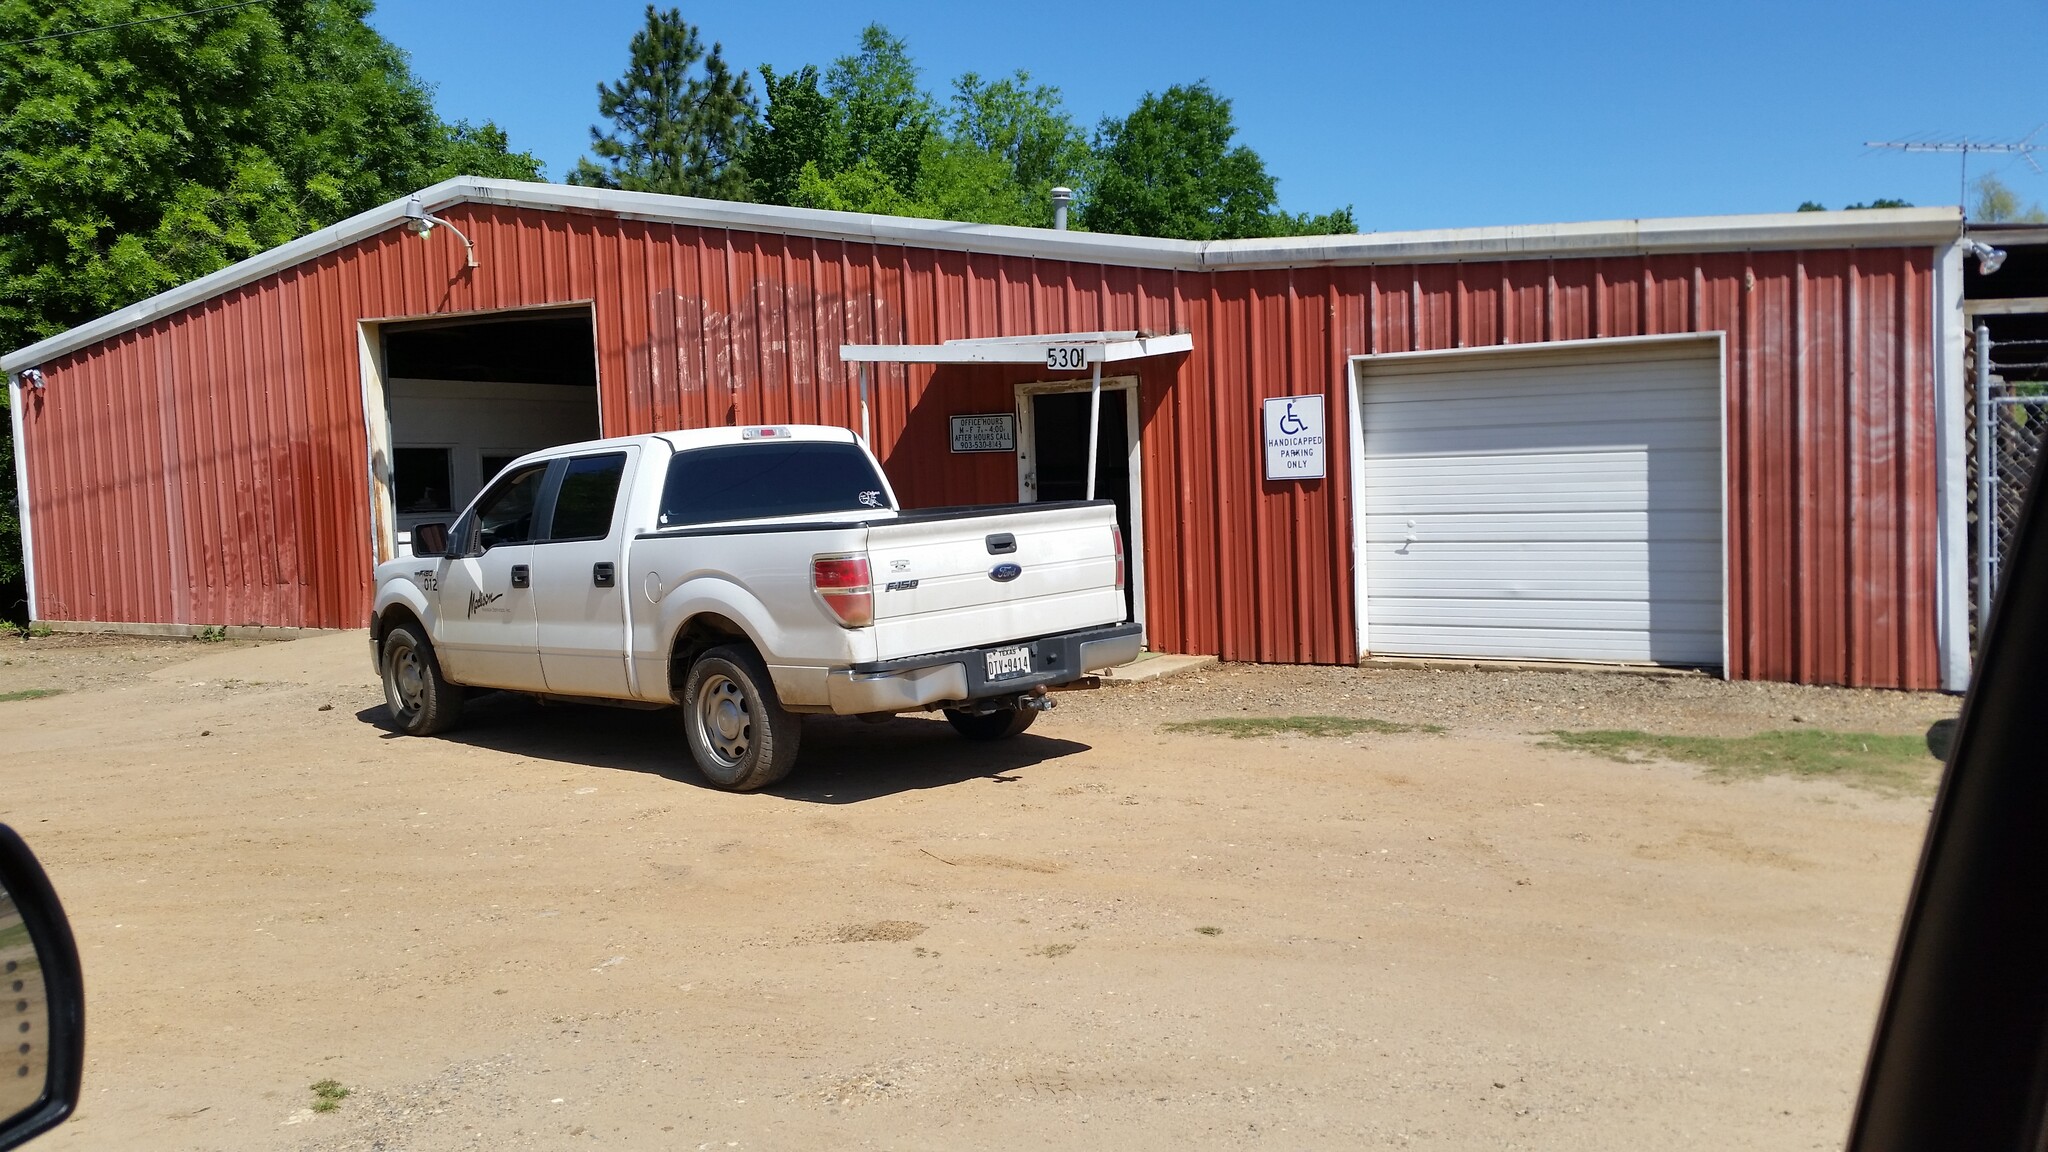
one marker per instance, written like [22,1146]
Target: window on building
[489,464]
[420,480]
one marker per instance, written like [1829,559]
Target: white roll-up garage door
[1560,503]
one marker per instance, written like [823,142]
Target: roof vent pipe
[1061,197]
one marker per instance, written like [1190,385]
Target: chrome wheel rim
[724,722]
[407,679]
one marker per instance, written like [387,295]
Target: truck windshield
[758,481]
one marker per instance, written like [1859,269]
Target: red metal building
[224,453]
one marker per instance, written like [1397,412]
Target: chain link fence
[2010,427]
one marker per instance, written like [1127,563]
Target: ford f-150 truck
[747,575]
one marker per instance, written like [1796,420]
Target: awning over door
[1056,352]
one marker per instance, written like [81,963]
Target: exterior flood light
[422,222]
[1989,259]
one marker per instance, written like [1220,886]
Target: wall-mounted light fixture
[422,222]
[1989,259]
[31,378]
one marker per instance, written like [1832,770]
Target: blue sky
[1426,115]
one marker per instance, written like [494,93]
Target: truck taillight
[841,582]
[1117,534]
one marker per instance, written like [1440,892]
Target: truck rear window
[757,481]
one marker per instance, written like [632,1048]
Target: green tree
[1817,206]
[888,119]
[1170,168]
[801,127]
[677,129]
[135,158]
[1997,203]
[1010,143]
[862,137]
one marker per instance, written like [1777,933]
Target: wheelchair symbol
[1290,424]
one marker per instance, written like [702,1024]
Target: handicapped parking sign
[1294,438]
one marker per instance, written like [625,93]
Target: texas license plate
[1003,663]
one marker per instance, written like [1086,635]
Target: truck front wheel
[737,729]
[421,700]
[1001,724]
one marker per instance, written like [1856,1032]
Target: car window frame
[550,499]
[472,520]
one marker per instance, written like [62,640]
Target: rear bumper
[958,677]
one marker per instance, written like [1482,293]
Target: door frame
[369,333]
[1134,550]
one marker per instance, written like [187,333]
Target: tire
[738,732]
[998,725]
[420,699]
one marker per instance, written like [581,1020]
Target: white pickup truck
[748,575]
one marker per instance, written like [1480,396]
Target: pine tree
[676,128]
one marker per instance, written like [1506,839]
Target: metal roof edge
[1885,227]
[310,246]
[817,223]
[1895,227]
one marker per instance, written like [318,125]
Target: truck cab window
[590,490]
[505,514]
[758,481]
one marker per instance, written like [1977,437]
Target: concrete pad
[1470,664]
[1154,665]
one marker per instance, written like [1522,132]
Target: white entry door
[1561,502]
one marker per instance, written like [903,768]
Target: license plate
[1003,663]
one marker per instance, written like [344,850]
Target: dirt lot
[542,933]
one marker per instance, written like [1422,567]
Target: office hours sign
[1294,438]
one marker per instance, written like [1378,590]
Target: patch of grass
[38,631]
[1245,727]
[328,1095]
[1053,951]
[1210,930]
[212,634]
[29,694]
[1879,763]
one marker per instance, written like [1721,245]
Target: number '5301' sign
[1066,357]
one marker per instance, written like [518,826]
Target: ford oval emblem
[1004,573]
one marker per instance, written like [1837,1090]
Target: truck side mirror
[42,1000]
[430,540]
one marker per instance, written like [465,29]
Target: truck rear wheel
[739,734]
[998,725]
[421,700]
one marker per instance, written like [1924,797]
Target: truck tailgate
[951,580]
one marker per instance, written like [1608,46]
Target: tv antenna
[2024,148]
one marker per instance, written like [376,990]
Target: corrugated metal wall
[210,468]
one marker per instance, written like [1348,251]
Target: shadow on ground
[843,761]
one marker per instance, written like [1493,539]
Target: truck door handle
[1002,544]
[602,574]
[521,577]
